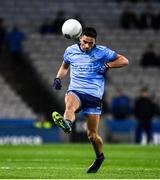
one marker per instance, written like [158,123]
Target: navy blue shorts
[88,104]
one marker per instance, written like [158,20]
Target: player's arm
[62,72]
[117,62]
[120,61]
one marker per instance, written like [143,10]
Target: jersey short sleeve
[109,55]
[66,56]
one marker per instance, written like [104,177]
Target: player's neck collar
[79,45]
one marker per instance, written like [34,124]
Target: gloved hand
[57,83]
[103,69]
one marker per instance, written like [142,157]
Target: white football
[72,29]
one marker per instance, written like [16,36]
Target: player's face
[87,43]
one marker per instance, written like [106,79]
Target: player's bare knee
[70,108]
[92,136]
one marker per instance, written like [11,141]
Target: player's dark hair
[89,31]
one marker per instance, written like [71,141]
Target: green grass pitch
[70,161]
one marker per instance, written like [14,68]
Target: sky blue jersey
[84,68]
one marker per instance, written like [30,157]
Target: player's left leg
[96,140]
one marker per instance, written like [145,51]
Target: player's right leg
[72,103]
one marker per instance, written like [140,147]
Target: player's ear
[80,37]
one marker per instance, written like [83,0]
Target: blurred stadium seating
[11,105]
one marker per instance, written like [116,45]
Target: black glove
[57,83]
[103,69]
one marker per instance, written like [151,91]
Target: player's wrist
[107,66]
[58,78]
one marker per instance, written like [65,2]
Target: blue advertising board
[23,131]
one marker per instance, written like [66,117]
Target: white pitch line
[39,168]
[38,160]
